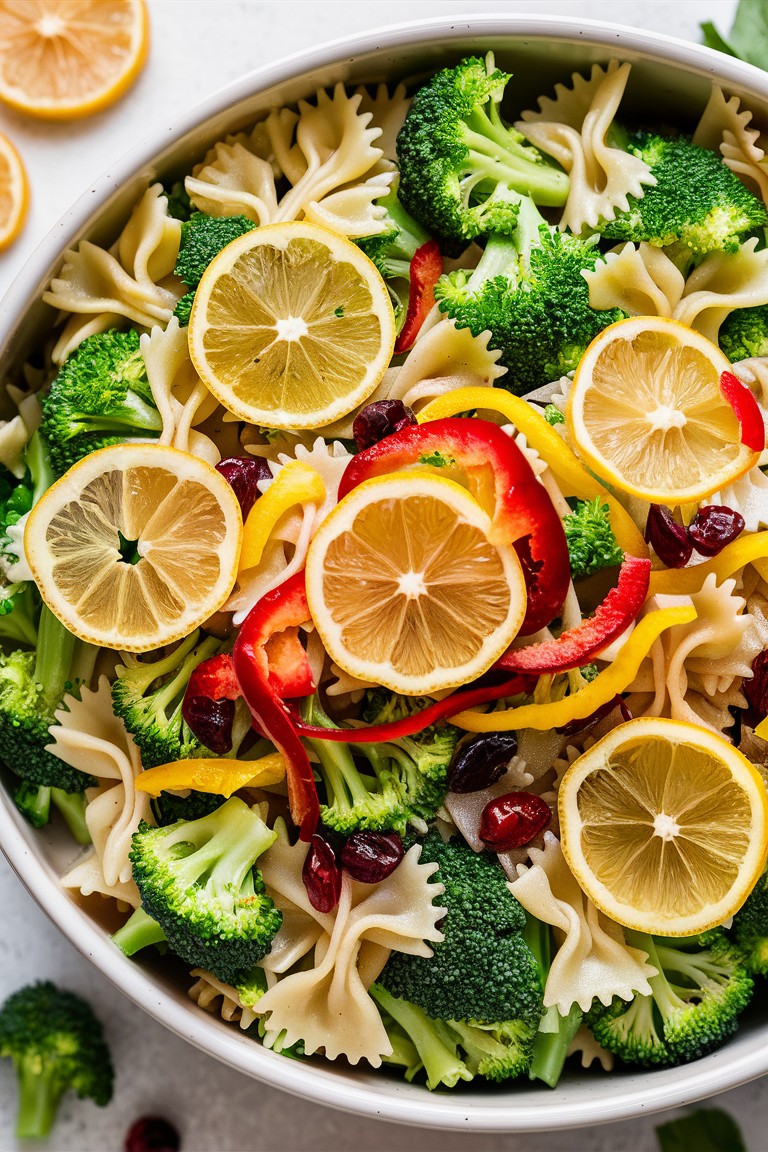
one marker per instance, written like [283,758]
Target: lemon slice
[135,546]
[646,413]
[292,326]
[665,826]
[405,588]
[14,193]
[61,59]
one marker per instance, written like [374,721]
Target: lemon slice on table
[61,59]
[405,588]
[292,326]
[646,413]
[665,826]
[135,546]
[14,193]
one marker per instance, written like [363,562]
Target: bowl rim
[653,1091]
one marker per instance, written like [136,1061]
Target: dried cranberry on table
[243,474]
[513,820]
[713,527]
[669,540]
[372,856]
[321,875]
[379,419]
[480,762]
[152,1134]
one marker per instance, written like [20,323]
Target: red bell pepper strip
[408,725]
[215,679]
[580,644]
[747,411]
[284,608]
[522,513]
[425,271]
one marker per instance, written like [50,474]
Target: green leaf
[706,1130]
[711,38]
[748,38]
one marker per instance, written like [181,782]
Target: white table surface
[197,46]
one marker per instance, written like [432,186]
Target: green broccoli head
[483,971]
[149,698]
[697,202]
[744,333]
[701,987]
[496,1051]
[56,1044]
[592,545]
[751,927]
[436,1046]
[458,159]
[202,238]
[101,396]
[528,291]
[198,881]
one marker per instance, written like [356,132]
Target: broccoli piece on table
[592,545]
[202,238]
[483,971]
[696,206]
[101,396]
[701,987]
[34,802]
[744,333]
[198,880]
[149,698]
[705,1130]
[529,292]
[456,155]
[750,926]
[56,1044]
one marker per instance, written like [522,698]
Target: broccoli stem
[55,652]
[40,1091]
[342,778]
[38,460]
[139,931]
[34,802]
[72,805]
[550,1047]
[431,1039]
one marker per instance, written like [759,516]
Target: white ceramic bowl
[670,81]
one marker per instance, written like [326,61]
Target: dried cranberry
[321,875]
[669,539]
[243,474]
[574,726]
[152,1134]
[371,856]
[211,721]
[512,820]
[756,691]
[380,419]
[713,527]
[481,762]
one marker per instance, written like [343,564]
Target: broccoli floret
[198,880]
[701,987]
[393,249]
[496,1051]
[32,687]
[436,1045]
[404,781]
[34,802]
[592,545]
[19,599]
[455,154]
[202,238]
[483,971]
[697,202]
[149,698]
[705,1130]
[56,1044]
[529,292]
[744,333]
[179,203]
[751,927]
[101,396]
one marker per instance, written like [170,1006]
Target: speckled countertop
[197,46]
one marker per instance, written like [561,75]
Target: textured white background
[197,46]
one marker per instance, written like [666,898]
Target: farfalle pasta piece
[585,1046]
[237,178]
[592,960]
[328,1006]
[387,111]
[89,737]
[573,129]
[443,359]
[353,211]
[126,280]
[179,394]
[748,496]
[726,127]
[213,995]
[641,280]
[722,282]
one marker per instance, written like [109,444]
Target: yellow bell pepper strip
[521,511]
[285,607]
[296,483]
[604,687]
[747,549]
[570,473]
[221,777]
